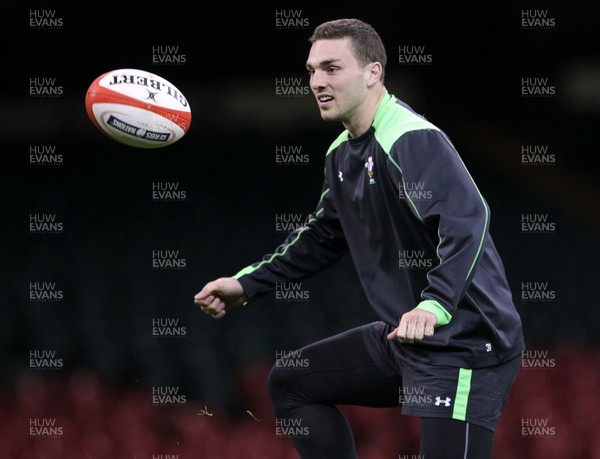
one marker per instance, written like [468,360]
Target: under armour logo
[341,176]
[439,401]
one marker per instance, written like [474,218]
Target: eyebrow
[324,63]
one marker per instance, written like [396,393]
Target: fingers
[395,334]
[419,328]
[209,301]
[429,326]
[213,306]
[414,325]
[220,295]
[403,328]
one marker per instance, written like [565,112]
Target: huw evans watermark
[168,260]
[537,292]
[45,87]
[414,259]
[44,291]
[291,87]
[290,155]
[537,87]
[45,359]
[291,427]
[414,55]
[537,20]
[537,223]
[45,223]
[290,359]
[168,396]
[291,291]
[168,327]
[414,191]
[45,19]
[168,192]
[44,155]
[45,427]
[414,396]
[168,55]
[537,155]
[537,427]
[287,223]
[291,19]
[538,359]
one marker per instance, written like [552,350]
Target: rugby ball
[138,108]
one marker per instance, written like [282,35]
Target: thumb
[206,291]
[393,334]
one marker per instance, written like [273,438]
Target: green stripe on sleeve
[391,122]
[442,315]
[487,212]
[462,394]
[250,269]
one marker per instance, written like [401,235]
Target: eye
[332,69]
[311,72]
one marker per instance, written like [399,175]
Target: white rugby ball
[138,108]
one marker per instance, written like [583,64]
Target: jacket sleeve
[309,249]
[453,206]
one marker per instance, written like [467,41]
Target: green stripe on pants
[462,394]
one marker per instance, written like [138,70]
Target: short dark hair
[366,42]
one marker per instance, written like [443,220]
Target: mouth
[324,100]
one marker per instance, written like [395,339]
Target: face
[337,79]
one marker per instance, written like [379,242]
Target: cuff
[239,276]
[442,315]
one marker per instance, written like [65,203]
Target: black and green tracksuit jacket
[400,200]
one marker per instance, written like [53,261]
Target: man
[399,199]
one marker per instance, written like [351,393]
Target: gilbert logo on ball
[138,108]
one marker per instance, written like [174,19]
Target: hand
[415,324]
[220,295]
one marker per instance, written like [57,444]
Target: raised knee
[284,388]
[279,379]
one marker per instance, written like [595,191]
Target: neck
[364,118]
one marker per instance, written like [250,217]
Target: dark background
[226,164]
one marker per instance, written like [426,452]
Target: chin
[328,116]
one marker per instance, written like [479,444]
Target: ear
[374,70]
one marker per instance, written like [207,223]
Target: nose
[317,80]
